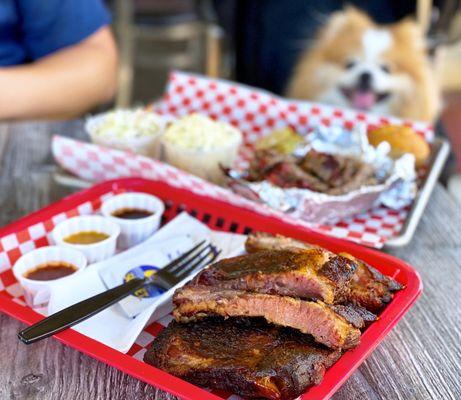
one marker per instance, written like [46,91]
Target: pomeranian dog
[382,69]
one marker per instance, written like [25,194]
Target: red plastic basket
[31,231]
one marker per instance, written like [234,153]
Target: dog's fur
[399,78]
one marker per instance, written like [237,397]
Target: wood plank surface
[420,358]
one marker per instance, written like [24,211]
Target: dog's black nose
[364,81]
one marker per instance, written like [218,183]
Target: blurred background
[156,36]
[206,36]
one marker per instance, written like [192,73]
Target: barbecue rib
[319,172]
[254,360]
[193,302]
[368,288]
[307,273]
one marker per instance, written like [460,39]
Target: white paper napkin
[113,273]
[113,326]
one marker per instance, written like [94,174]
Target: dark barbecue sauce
[50,271]
[131,213]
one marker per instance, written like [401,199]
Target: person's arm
[64,84]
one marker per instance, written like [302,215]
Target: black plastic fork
[166,278]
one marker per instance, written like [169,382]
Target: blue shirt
[31,29]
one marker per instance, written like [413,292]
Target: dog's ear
[356,14]
[349,18]
[409,31]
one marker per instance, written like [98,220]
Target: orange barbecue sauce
[88,237]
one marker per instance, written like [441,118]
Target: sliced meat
[368,288]
[290,175]
[320,172]
[251,359]
[258,241]
[307,273]
[358,316]
[326,166]
[193,302]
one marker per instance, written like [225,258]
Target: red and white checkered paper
[255,113]
[16,244]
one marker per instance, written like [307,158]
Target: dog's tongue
[363,100]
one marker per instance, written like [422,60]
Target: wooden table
[420,359]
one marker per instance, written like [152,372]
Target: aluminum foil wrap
[397,190]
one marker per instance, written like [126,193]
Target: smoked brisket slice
[368,288]
[193,302]
[249,358]
[311,273]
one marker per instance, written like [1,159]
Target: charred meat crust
[358,316]
[254,359]
[193,302]
[367,288]
[339,270]
[257,241]
[306,273]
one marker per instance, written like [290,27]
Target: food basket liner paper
[255,113]
[16,244]
[35,230]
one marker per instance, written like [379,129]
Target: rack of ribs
[299,289]
[367,287]
[269,323]
[253,359]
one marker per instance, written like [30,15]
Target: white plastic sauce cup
[37,293]
[94,252]
[134,231]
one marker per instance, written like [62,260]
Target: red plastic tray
[24,234]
